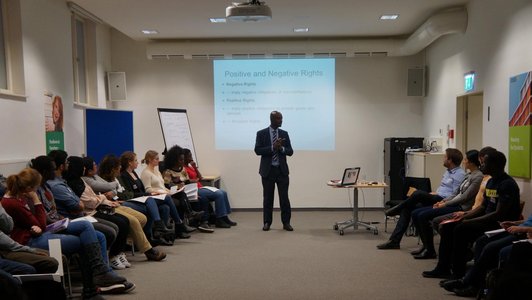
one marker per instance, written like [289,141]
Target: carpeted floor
[313,262]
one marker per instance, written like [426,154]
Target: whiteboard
[176,129]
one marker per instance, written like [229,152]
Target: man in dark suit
[273,145]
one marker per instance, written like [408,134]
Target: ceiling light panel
[389,17]
[218,20]
[149,31]
[301,29]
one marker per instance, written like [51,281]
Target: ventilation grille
[273,55]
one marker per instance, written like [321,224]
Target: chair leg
[67,282]
[132,244]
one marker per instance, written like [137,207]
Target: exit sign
[469,81]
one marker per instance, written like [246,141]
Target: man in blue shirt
[453,176]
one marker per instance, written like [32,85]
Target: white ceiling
[175,19]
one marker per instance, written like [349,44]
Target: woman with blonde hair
[134,187]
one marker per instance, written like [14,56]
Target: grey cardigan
[465,196]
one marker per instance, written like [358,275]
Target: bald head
[276,119]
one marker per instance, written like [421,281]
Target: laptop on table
[350,177]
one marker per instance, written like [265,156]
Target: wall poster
[520,125]
[53,122]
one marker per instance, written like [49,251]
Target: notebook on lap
[350,177]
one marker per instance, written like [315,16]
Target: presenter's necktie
[275,155]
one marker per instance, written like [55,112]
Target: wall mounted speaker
[116,86]
[416,82]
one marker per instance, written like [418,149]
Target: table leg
[355,208]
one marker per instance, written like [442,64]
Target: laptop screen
[350,176]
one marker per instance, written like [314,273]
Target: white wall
[47,50]
[371,104]
[497,46]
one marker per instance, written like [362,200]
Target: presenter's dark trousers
[268,188]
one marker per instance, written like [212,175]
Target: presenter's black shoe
[426,254]
[436,273]
[266,227]
[389,245]
[288,227]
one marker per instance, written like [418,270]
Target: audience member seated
[36,260]
[450,183]
[108,185]
[222,208]
[153,180]
[13,289]
[175,175]
[501,202]
[92,202]
[462,200]
[25,207]
[70,205]
[479,198]
[487,253]
[512,280]
[133,187]
[46,167]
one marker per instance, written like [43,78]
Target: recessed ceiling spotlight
[149,31]
[218,20]
[301,29]
[389,17]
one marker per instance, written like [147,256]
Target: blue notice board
[108,132]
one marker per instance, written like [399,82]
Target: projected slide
[246,91]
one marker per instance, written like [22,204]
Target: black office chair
[418,183]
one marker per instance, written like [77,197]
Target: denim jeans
[16,268]
[73,238]
[155,210]
[221,202]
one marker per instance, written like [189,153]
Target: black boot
[160,227]
[89,289]
[181,231]
[101,275]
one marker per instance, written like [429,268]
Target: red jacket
[24,218]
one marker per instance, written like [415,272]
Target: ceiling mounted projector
[253,10]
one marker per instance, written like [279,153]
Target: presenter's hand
[278,144]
